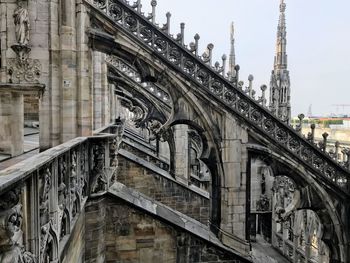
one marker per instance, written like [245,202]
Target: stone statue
[21,21]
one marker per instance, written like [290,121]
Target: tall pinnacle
[281,45]
[232,58]
[280,81]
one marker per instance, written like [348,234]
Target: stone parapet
[42,199]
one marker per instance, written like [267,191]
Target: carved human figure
[21,21]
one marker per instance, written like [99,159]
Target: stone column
[234,199]
[105,94]
[84,61]
[17,124]
[12,123]
[69,89]
[112,103]
[97,90]
[12,116]
[45,45]
[181,153]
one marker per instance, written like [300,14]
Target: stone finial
[182,26]
[249,89]
[166,26]
[301,117]
[262,99]
[325,136]
[283,6]
[194,45]
[180,37]
[336,150]
[311,135]
[224,58]
[196,40]
[208,54]
[153,4]
[237,68]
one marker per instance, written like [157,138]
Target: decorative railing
[131,73]
[227,89]
[288,249]
[41,197]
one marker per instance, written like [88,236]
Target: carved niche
[63,214]
[44,190]
[22,68]
[99,182]
[11,234]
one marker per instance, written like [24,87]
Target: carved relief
[73,184]
[62,195]
[286,195]
[83,172]
[47,244]
[113,151]
[11,235]
[99,179]
[22,68]
[45,187]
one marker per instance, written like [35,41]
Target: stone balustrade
[42,197]
[289,249]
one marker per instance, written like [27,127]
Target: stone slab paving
[30,145]
[31,142]
[29,131]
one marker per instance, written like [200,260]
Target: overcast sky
[318,33]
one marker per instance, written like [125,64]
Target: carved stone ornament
[74,187]
[44,194]
[113,151]
[99,180]
[22,68]
[11,234]
[45,240]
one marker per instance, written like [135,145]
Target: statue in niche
[21,20]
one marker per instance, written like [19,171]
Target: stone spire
[280,81]
[232,58]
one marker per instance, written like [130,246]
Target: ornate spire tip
[283,6]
